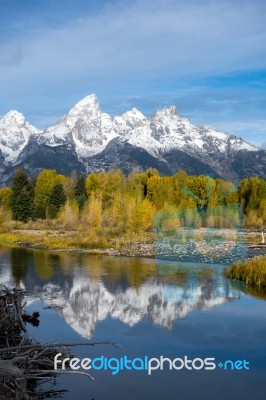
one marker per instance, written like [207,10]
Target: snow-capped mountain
[86,139]
[15,132]
[166,130]
[85,125]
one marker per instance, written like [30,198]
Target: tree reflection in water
[87,289]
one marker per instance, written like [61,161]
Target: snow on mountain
[15,132]
[89,301]
[166,131]
[85,125]
[134,128]
[86,131]
[91,131]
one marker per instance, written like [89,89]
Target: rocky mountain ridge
[87,140]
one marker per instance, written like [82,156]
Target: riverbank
[252,273]
[82,242]
[90,243]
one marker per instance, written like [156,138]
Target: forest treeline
[111,203]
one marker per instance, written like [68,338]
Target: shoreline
[134,248]
[142,247]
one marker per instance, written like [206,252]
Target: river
[150,308]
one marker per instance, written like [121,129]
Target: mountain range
[88,140]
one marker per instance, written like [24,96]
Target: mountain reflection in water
[87,289]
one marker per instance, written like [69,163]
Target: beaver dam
[26,366]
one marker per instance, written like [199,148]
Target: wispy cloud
[11,55]
[180,38]
[133,48]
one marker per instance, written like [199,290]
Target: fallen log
[57,345]
[23,362]
[9,370]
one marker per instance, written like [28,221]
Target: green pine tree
[21,200]
[56,200]
[80,192]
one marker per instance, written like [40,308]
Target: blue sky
[208,57]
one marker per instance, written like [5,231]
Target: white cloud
[170,37]
[127,48]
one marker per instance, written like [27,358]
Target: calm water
[148,307]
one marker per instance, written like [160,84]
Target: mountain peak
[90,101]
[15,132]
[86,131]
[13,116]
[134,113]
[129,122]
[87,108]
[85,126]
[168,111]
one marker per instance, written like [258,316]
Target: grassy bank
[70,240]
[252,273]
[52,235]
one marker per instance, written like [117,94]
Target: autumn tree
[202,190]
[5,212]
[69,214]
[114,181]
[43,189]
[137,183]
[5,196]
[92,213]
[252,196]
[95,183]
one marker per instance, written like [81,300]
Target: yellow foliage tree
[95,182]
[5,195]
[43,188]
[92,213]
[69,214]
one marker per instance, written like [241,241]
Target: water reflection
[19,262]
[87,289]
[254,291]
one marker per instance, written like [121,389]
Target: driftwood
[23,362]
[9,369]
[38,345]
